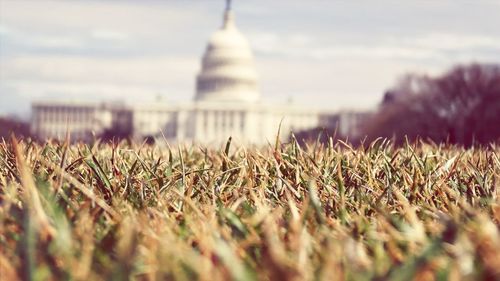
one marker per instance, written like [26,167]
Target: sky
[330,54]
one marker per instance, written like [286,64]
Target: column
[210,125]
[236,123]
[199,134]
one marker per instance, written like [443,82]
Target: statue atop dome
[228,5]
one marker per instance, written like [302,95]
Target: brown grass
[114,212]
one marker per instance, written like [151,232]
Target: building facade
[227,103]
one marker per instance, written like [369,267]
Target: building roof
[228,72]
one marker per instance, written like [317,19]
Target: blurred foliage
[9,126]
[460,107]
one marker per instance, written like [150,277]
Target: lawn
[106,211]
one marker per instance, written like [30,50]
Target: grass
[324,212]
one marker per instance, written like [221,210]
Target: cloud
[139,70]
[101,28]
[339,54]
[108,34]
[426,47]
[61,16]
[372,52]
[21,42]
[447,41]
[303,46]
[4,30]
[334,84]
[126,78]
[56,42]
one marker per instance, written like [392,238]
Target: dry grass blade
[334,212]
[82,188]
[31,195]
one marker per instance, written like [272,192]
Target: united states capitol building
[227,103]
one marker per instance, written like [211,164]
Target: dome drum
[211,85]
[220,61]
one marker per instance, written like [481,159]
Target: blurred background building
[339,62]
[227,103]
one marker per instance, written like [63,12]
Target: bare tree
[462,106]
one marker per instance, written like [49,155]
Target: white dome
[228,35]
[228,71]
